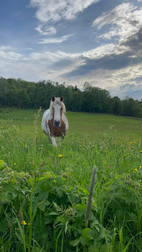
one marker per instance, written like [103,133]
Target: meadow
[44,190]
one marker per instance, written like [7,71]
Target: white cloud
[55,40]
[45,67]
[112,80]
[7,54]
[49,12]
[4,48]
[114,16]
[58,65]
[46,30]
[104,50]
[56,10]
[125,20]
[127,90]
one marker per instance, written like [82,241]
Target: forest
[23,94]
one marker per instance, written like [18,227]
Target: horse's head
[57,109]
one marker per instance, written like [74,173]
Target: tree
[116,105]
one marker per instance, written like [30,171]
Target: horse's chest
[57,131]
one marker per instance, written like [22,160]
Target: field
[44,190]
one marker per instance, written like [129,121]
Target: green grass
[50,192]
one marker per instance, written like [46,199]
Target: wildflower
[140,167]
[136,169]
[24,223]
[14,163]
[60,155]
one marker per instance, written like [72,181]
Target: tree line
[23,94]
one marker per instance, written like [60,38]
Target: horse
[54,122]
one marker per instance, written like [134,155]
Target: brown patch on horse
[57,131]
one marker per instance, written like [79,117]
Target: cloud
[128,90]
[75,68]
[115,16]
[124,20]
[56,10]
[55,40]
[53,65]
[46,30]
[134,44]
[7,54]
[50,12]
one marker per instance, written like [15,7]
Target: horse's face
[57,113]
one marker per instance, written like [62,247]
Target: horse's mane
[57,100]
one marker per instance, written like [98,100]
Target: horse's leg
[53,140]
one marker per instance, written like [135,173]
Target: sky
[73,42]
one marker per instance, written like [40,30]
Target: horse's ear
[61,98]
[53,98]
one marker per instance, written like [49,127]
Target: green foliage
[58,211]
[44,190]
[122,196]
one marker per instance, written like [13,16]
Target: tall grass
[32,171]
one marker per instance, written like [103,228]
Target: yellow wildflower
[140,166]
[24,223]
[136,169]
[14,163]
[60,155]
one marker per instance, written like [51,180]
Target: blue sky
[73,42]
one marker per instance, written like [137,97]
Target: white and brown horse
[54,122]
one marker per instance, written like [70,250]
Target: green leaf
[75,242]
[66,226]
[53,213]
[86,233]
[3,225]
